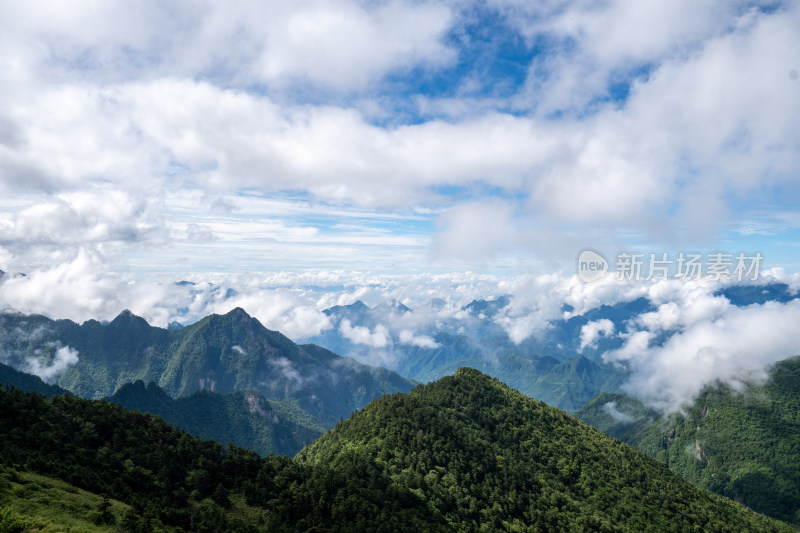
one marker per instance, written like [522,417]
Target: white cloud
[339,44]
[473,232]
[616,414]
[687,304]
[80,219]
[737,345]
[377,338]
[591,332]
[345,45]
[49,372]
[278,309]
[287,370]
[422,341]
[600,44]
[162,141]
[616,168]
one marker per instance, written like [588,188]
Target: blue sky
[152,142]
[285,157]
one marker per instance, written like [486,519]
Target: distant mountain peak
[488,307]
[236,313]
[128,317]
[354,308]
[392,305]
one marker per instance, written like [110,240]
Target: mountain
[564,384]
[549,366]
[488,308]
[618,415]
[27,382]
[571,383]
[463,454]
[749,294]
[486,456]
[743,443]
[222,353]
[246,419]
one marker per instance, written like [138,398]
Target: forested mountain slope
[744,444]
[463,454]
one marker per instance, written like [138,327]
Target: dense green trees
[463,454]
[485,456]
[247,419]
[743,444]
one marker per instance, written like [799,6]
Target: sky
[309,152]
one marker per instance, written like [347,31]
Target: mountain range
[465,453]
[221,353]
[549,366]
[229,379]
[555,364]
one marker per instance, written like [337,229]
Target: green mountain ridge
[743,444]
[466,453]
[464,437]
[223,353]
[247,419]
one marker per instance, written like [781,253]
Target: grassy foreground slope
[31,502]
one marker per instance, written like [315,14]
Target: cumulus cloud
[80,218]
[474,232]
[735,346]
[339,44]
[694,337]
[377,338]
[422,341]
[591,332]
[50,370]
[346,45]
[146,102]
[278,309]
[81,287]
